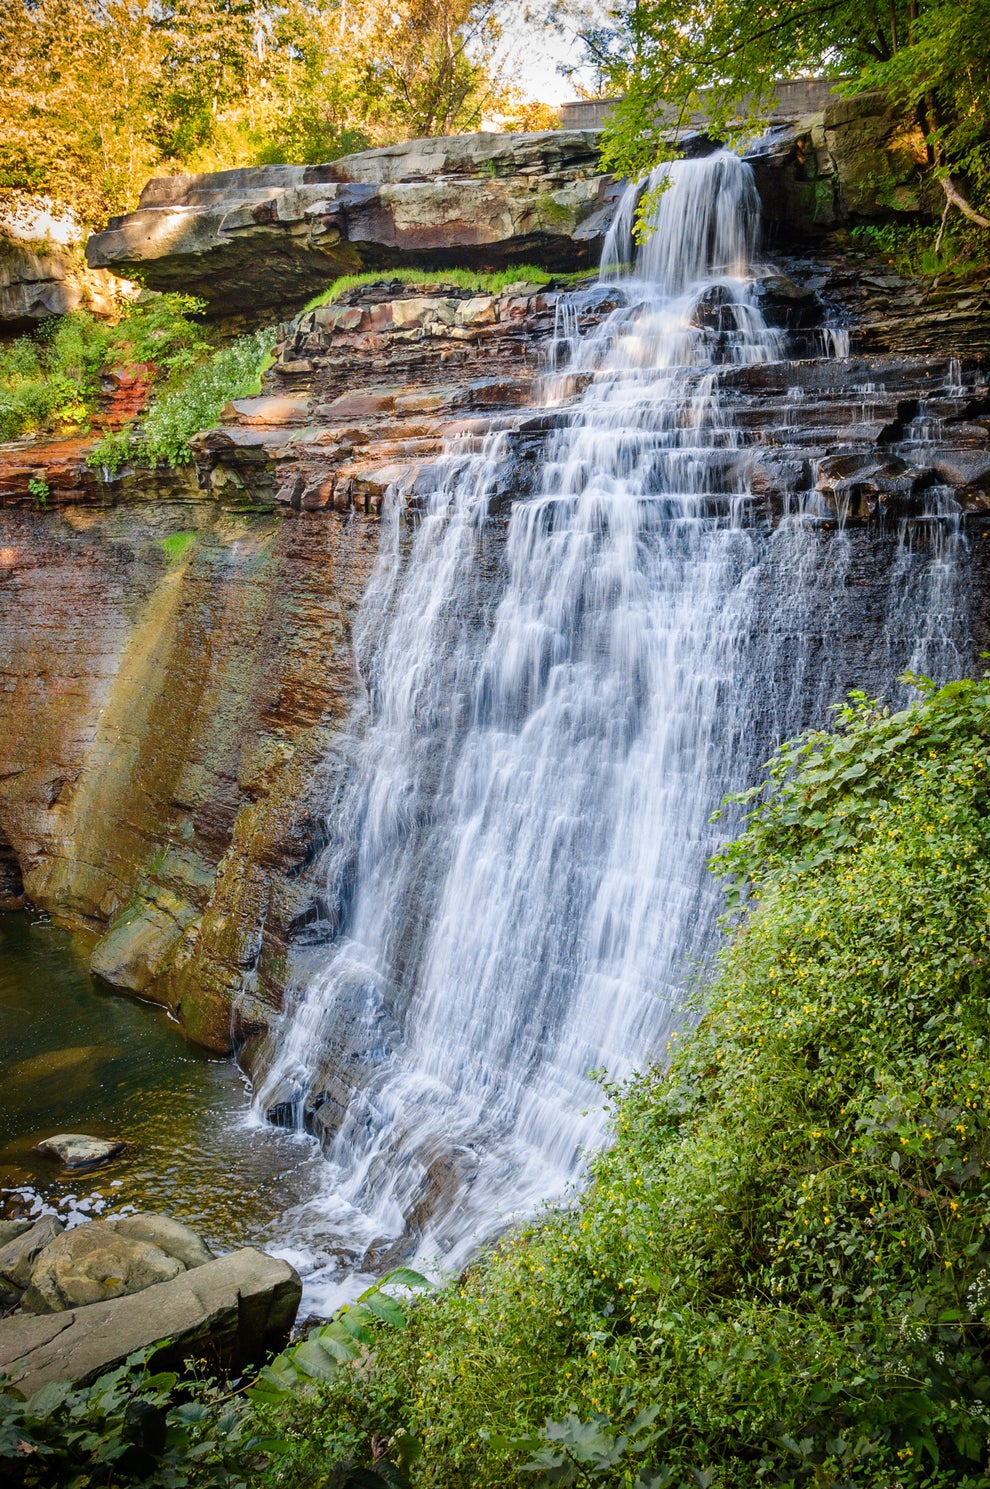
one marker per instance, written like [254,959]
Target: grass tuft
[462,279]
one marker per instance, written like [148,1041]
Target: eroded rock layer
[175,646]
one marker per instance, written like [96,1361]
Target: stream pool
[75,1057]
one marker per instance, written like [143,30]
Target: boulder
[11,1229]
[18,1257]
[269,236]
[169,1235]
[78,1150]
[93,1263]
[232,1311]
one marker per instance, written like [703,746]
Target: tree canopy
[931,55]
[101,94]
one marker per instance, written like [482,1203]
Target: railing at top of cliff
[795,97]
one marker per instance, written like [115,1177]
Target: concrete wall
[795,96]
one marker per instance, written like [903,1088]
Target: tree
[101,94]
[931,55]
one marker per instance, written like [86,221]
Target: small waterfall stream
[516,872]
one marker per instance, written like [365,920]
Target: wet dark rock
[788,305]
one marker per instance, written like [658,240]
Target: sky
[536,57]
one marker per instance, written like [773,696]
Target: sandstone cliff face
[42,268]
[170,670]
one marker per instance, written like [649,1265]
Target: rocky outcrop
[168,728]
[47,1269]
[232,1312]
[160,724]
[262,240]
[78,1151]
[256,241]
[91,1264]
[42,266]
[20,1253]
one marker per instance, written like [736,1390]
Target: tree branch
[954,196]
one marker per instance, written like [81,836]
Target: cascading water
[516,874]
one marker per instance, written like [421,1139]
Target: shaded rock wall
[170,671]
[42,267]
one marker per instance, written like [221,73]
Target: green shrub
[130,1427]
[787,1248]
[188,404]
[113,451]
[54,380]
[916,252]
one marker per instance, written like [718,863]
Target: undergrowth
[186,403]
[781,1271]
[916,252]
[52,381]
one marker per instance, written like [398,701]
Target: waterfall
[515,879]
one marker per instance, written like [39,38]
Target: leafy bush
[54,380]
[128,1428]
[787,1248]
[188,404]
[916,252]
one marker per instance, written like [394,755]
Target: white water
[516,877]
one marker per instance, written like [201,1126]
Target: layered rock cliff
[42,266]
[175,646]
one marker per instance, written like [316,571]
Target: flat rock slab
[79,1150]
[251,240]
[232,1311]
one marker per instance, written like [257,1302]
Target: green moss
[462,279]
[176,545]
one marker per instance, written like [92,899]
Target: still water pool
[77,1058]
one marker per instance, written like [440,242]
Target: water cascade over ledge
[556,698]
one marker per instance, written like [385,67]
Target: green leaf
[403,1277]
[386,1309]
[312,1358]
